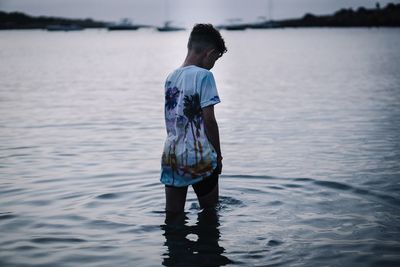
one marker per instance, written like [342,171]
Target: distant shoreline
[18,20]
[389,16]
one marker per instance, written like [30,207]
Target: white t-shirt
[188,155]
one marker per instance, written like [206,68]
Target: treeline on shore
[389,16]
[18,20]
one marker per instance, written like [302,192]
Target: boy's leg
[209,200]
[175,198]
[207,191]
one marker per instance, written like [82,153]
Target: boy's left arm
[212,132]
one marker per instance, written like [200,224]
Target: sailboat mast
[166,10]
[270,7]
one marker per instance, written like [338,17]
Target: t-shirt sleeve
[208,91]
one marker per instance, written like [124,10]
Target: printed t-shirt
[188,156]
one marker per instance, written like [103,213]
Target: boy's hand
[219,165]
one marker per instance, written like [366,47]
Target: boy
[192,154]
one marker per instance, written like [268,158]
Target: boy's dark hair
[204,35]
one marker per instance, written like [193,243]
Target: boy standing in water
[192,153]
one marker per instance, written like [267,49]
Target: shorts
[205,186]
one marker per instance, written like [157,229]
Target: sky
[183,12]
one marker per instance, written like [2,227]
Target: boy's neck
[193,59]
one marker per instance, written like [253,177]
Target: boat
[264,25]
[167,24]
[63,27]
[124,25]
[168,28]
[234,25]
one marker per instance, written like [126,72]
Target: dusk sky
[182,12]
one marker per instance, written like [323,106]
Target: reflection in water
[205,251]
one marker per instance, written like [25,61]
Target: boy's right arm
[212,132]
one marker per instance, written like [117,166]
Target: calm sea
[310,131]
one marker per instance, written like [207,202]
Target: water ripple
[311,159]
[108,196]
[46,240]
[7,216]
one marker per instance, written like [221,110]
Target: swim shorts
[205,186]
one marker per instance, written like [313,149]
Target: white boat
[123,25]
[168,28]
[233,25]
[167,25]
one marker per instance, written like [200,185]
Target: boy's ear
[210,51]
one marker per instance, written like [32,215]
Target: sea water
[310,134]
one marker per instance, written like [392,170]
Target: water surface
[309,124]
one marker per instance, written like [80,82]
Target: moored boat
[168,28]
[125,24]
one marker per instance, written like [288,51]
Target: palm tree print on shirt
[192,111]
[171,96]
